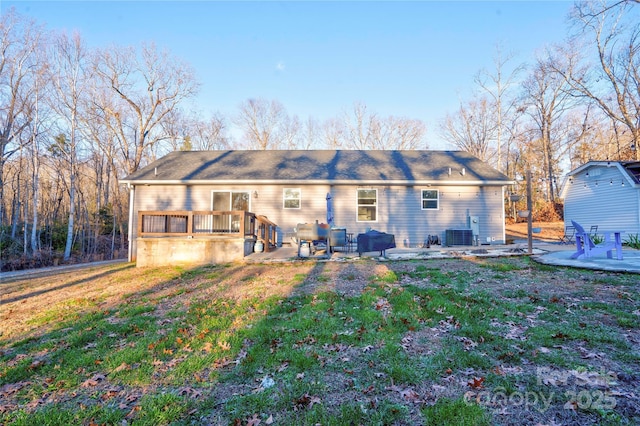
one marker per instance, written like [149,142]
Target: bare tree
[614,83]
[35,121]
[69,71]
[210,134]
[19,43]
[311,134]
[262,123]
[472,128]
[188,132]
[548,99]
[146,87]
[406,133]
[291,131]
[334,133]
[360,127]
[497,86]
[367,130]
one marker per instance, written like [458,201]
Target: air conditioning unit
[459,237]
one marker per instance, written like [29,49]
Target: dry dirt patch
[549,231]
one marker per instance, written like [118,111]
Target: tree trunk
[72,211]
[36,193]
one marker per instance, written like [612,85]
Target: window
[230,200]
[223,201]
[291,198]
[429,199]
[367,205]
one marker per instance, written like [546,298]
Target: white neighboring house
[604,193]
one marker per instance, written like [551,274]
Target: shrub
[633,241]
[547,211]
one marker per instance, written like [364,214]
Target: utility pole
[530,215]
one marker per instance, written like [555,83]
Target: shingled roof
[318,166]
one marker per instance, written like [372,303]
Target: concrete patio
[543,252]
[548,253]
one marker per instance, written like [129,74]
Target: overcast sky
[412,59]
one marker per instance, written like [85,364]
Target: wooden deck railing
[207,223]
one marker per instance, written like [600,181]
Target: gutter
[318,182]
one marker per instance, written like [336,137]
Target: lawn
[471,341]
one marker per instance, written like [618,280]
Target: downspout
[638,211]
[504,218]
[132,190]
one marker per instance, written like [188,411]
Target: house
[604,194]
[411,194]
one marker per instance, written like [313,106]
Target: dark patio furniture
[375,241]
[569,235]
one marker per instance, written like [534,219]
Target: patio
[543,252]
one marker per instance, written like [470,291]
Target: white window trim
[358,205]
[299,199]
[437,199]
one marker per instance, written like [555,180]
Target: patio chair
[569,235]
[593,231]
[584,237]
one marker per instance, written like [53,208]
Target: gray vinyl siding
[401,213]
[601,200]
[399,208]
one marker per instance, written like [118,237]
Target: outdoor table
[586,247]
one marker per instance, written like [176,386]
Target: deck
[200,237]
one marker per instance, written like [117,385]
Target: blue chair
[582,234]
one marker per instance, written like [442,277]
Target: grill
[309,233]
[312,231]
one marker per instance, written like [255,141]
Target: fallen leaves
[408,394]
[585,354]
[305,401]
[110,394]
[93,381]
[13,388]
[382,304]
[345,364]
[476,383]
[121,367]
[35,364]
[468,343]
[254,420]
[560,335]
[190,392]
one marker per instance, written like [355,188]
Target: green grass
[200,350]
[503,265]
[389,277]
[456,412]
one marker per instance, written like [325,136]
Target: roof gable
[309,166]
[629,170]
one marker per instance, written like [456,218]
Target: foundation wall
[191,251]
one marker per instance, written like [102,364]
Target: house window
[230,201]
[367,205]
[429,199]
[291,198]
